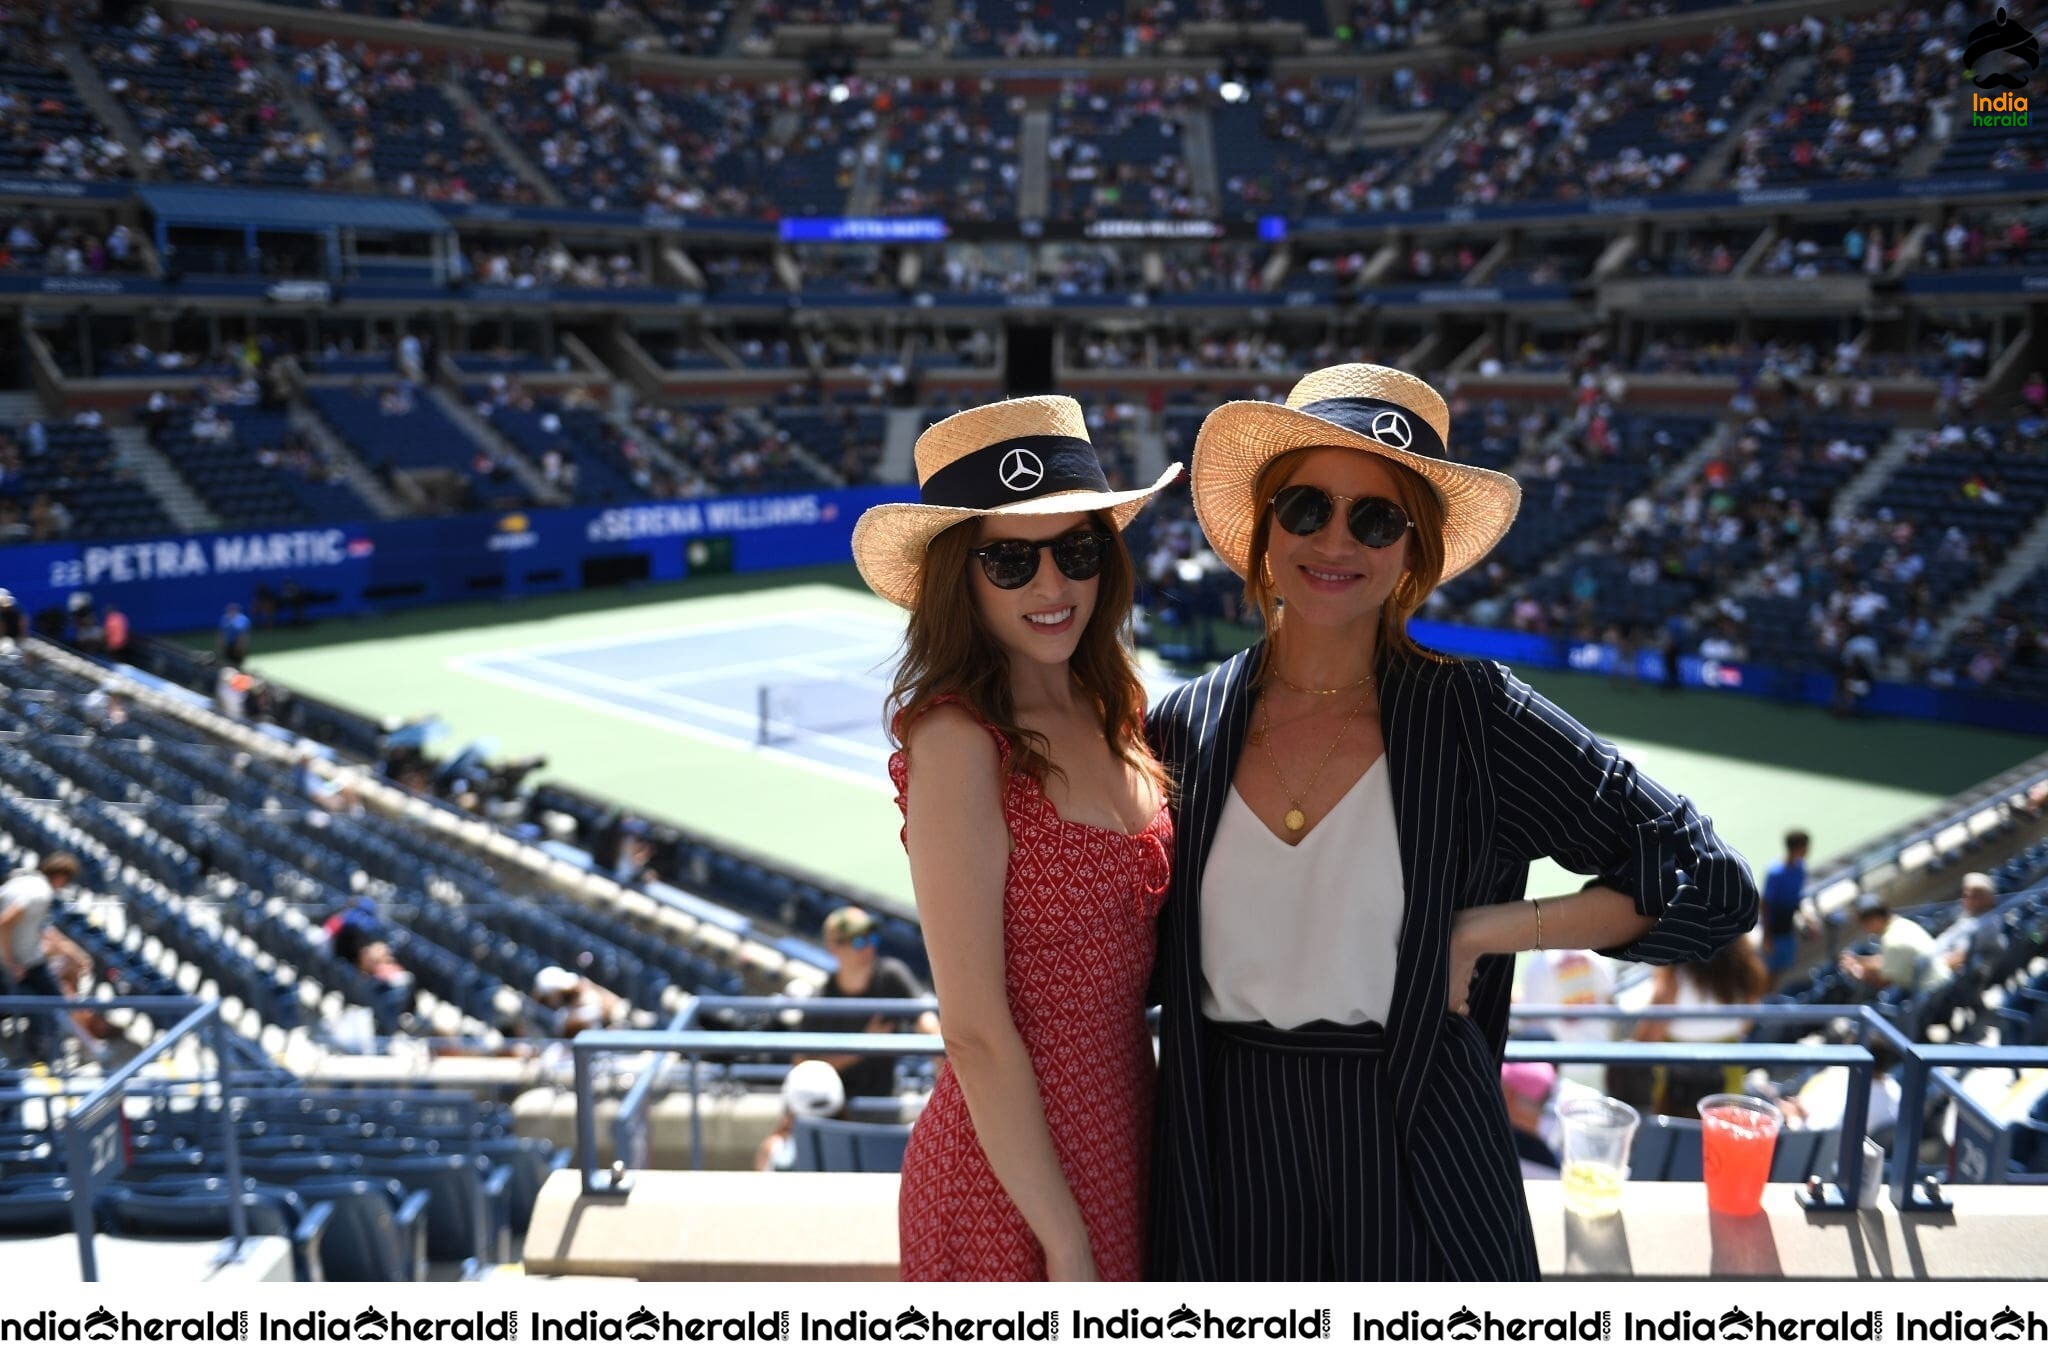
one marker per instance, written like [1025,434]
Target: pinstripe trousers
[1308,1179]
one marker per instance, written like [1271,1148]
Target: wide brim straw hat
[1022,456]
[1382,411]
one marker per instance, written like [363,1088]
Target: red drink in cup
[1738,1137]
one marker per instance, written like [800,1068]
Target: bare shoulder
[947,743]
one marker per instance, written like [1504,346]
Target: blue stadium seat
[469,1216]
[36,1207]
[206,1212]
[1684,1161]
[377,1232]
[846,1145]
[1649,1151]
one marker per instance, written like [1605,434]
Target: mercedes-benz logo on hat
[1021,470]
[1391,428]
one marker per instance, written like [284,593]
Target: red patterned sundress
[1080,907]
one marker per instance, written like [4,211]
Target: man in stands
[1979,931]
[25,900]
[233,641]
[863,974]
[1784,888]
[584,1003]
[13,622]
[1905,953]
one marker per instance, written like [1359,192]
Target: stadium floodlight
[1244,70]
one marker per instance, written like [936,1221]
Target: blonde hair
[1423,570]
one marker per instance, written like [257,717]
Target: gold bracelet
[1537,906]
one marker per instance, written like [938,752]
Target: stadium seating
[412,434]
[46,130]
[239,469]
[78,471]
[847,1145]
[387,107]
[952,151]
[205,105]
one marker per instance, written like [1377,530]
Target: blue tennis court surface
[826,674]
[804,687]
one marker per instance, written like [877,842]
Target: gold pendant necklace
[1318,691]
[1296,818]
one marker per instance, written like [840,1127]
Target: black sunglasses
[1303,509]
[1013,563]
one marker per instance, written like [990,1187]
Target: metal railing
[1980,1133]
[92,1128]
[684,1037]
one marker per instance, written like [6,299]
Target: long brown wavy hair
[1425,566]
[1736,975]
[947,651]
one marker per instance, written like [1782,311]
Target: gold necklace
[1295,818]
[1319,691]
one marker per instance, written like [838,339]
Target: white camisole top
[1293,934]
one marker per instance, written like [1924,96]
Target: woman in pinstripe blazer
[1334,1012]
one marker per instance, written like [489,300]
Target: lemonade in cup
[1597,1132]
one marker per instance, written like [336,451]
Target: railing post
[594,1182]
[1908,1194]
[238,1217]
[696,1112]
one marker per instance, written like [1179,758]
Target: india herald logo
[1391,428]
[2001,54]
[1021,470]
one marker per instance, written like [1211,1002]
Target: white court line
[833,619]
[819,671]
[748,721]
[620,711]
[789,663]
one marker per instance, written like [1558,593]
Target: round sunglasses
[1302,509]
[1013,563]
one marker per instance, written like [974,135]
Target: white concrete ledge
[684,1225]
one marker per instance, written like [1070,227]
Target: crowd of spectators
[1289,149]
[204,105]
[2001,238]
[1806,251]
[1002,268]
[734,273]
[607,144]
[1116,150]
[46,131]
[1878,88]
[540,267]
[725,450]
[1440,262]
[688,28]
[52,245]
[1614,126]
[951,149]
[40,469]
[401,133]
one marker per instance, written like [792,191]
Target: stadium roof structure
[285,210]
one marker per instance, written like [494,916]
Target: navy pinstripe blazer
[1487,776]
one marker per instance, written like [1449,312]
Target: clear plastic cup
[1596,1132]
[1738,1138]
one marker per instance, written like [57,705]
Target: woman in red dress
[1039,842]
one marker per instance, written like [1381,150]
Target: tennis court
[803,687]
[654,697]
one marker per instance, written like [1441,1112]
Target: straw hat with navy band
[1381,411]
[1022,456]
